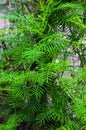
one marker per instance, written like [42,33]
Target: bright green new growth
[36,92]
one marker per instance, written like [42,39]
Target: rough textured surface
[3,1]
[4,23]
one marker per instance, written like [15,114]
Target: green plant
[36,92]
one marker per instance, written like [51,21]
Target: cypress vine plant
[40,89]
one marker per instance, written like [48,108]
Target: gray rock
[3,1]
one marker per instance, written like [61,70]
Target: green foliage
[37,91]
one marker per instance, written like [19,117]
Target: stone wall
[3,1]
[4,23]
